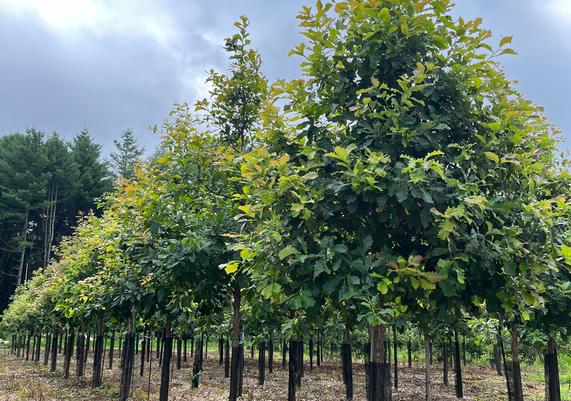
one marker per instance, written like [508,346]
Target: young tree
[127,156]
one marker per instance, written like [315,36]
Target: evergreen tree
[45,183]
[95,177]
[127,156]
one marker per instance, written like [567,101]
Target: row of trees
[402,181]
[45,183]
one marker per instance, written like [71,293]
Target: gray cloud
[126,63]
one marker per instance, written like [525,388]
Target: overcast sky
[108,65]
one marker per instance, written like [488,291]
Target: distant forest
[46,184]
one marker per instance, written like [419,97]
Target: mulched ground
[24,380]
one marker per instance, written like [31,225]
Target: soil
[26,380]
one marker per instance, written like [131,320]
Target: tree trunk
[97,377]
[38,347]
[284,352]
[165,369]
[35,338]
[60,343]
[79,359]
[23,252]
[464,349]
[497,359]
[428,376]
[552,370]
[54,351]
[409,346]
[299,365]
[178,353]
[262,363]
[227,358]
[47,349]
[111,350]
[241,367]
[458,367]
[127,361]
[87,344]
[518,387]
[28,341]
[271,353]
[197,364]
[143,354]
[235,362]
[49,222]
[220,351]
[311,353]
[445,361]
[184,348]
[395,351]
[292,380]
[379,371]
[68,352]
[347,363]
[318,349]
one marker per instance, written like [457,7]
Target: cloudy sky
[108,65]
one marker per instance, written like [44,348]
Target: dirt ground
[25,380]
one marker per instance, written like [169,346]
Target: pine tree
[128,155]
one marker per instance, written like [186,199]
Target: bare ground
[25,380]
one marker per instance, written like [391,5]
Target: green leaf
[566,251]
[506,40]
[427,284]
[247,210]
[231,267]
[287,251]
[340,7]
[385,15]
[382,287]
[492,156]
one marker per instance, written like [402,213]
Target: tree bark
[395,351]
[292,380]
[409,346]
[552,369]
[143,354]
[497,359]
[23,252]
[379,372]
[127,361]
[445,361]
[54,351]
[235,362]
[458,367]
[428,376]
[284,353]
[271,353]
[518,387]
[97,377]
[68,352]
[220,351]
[197,364]
[227,358]
[178,353]
[165,369]
[79,359]
[311,353]
[111,350]
[347,363]
[318,348]
[262,363]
